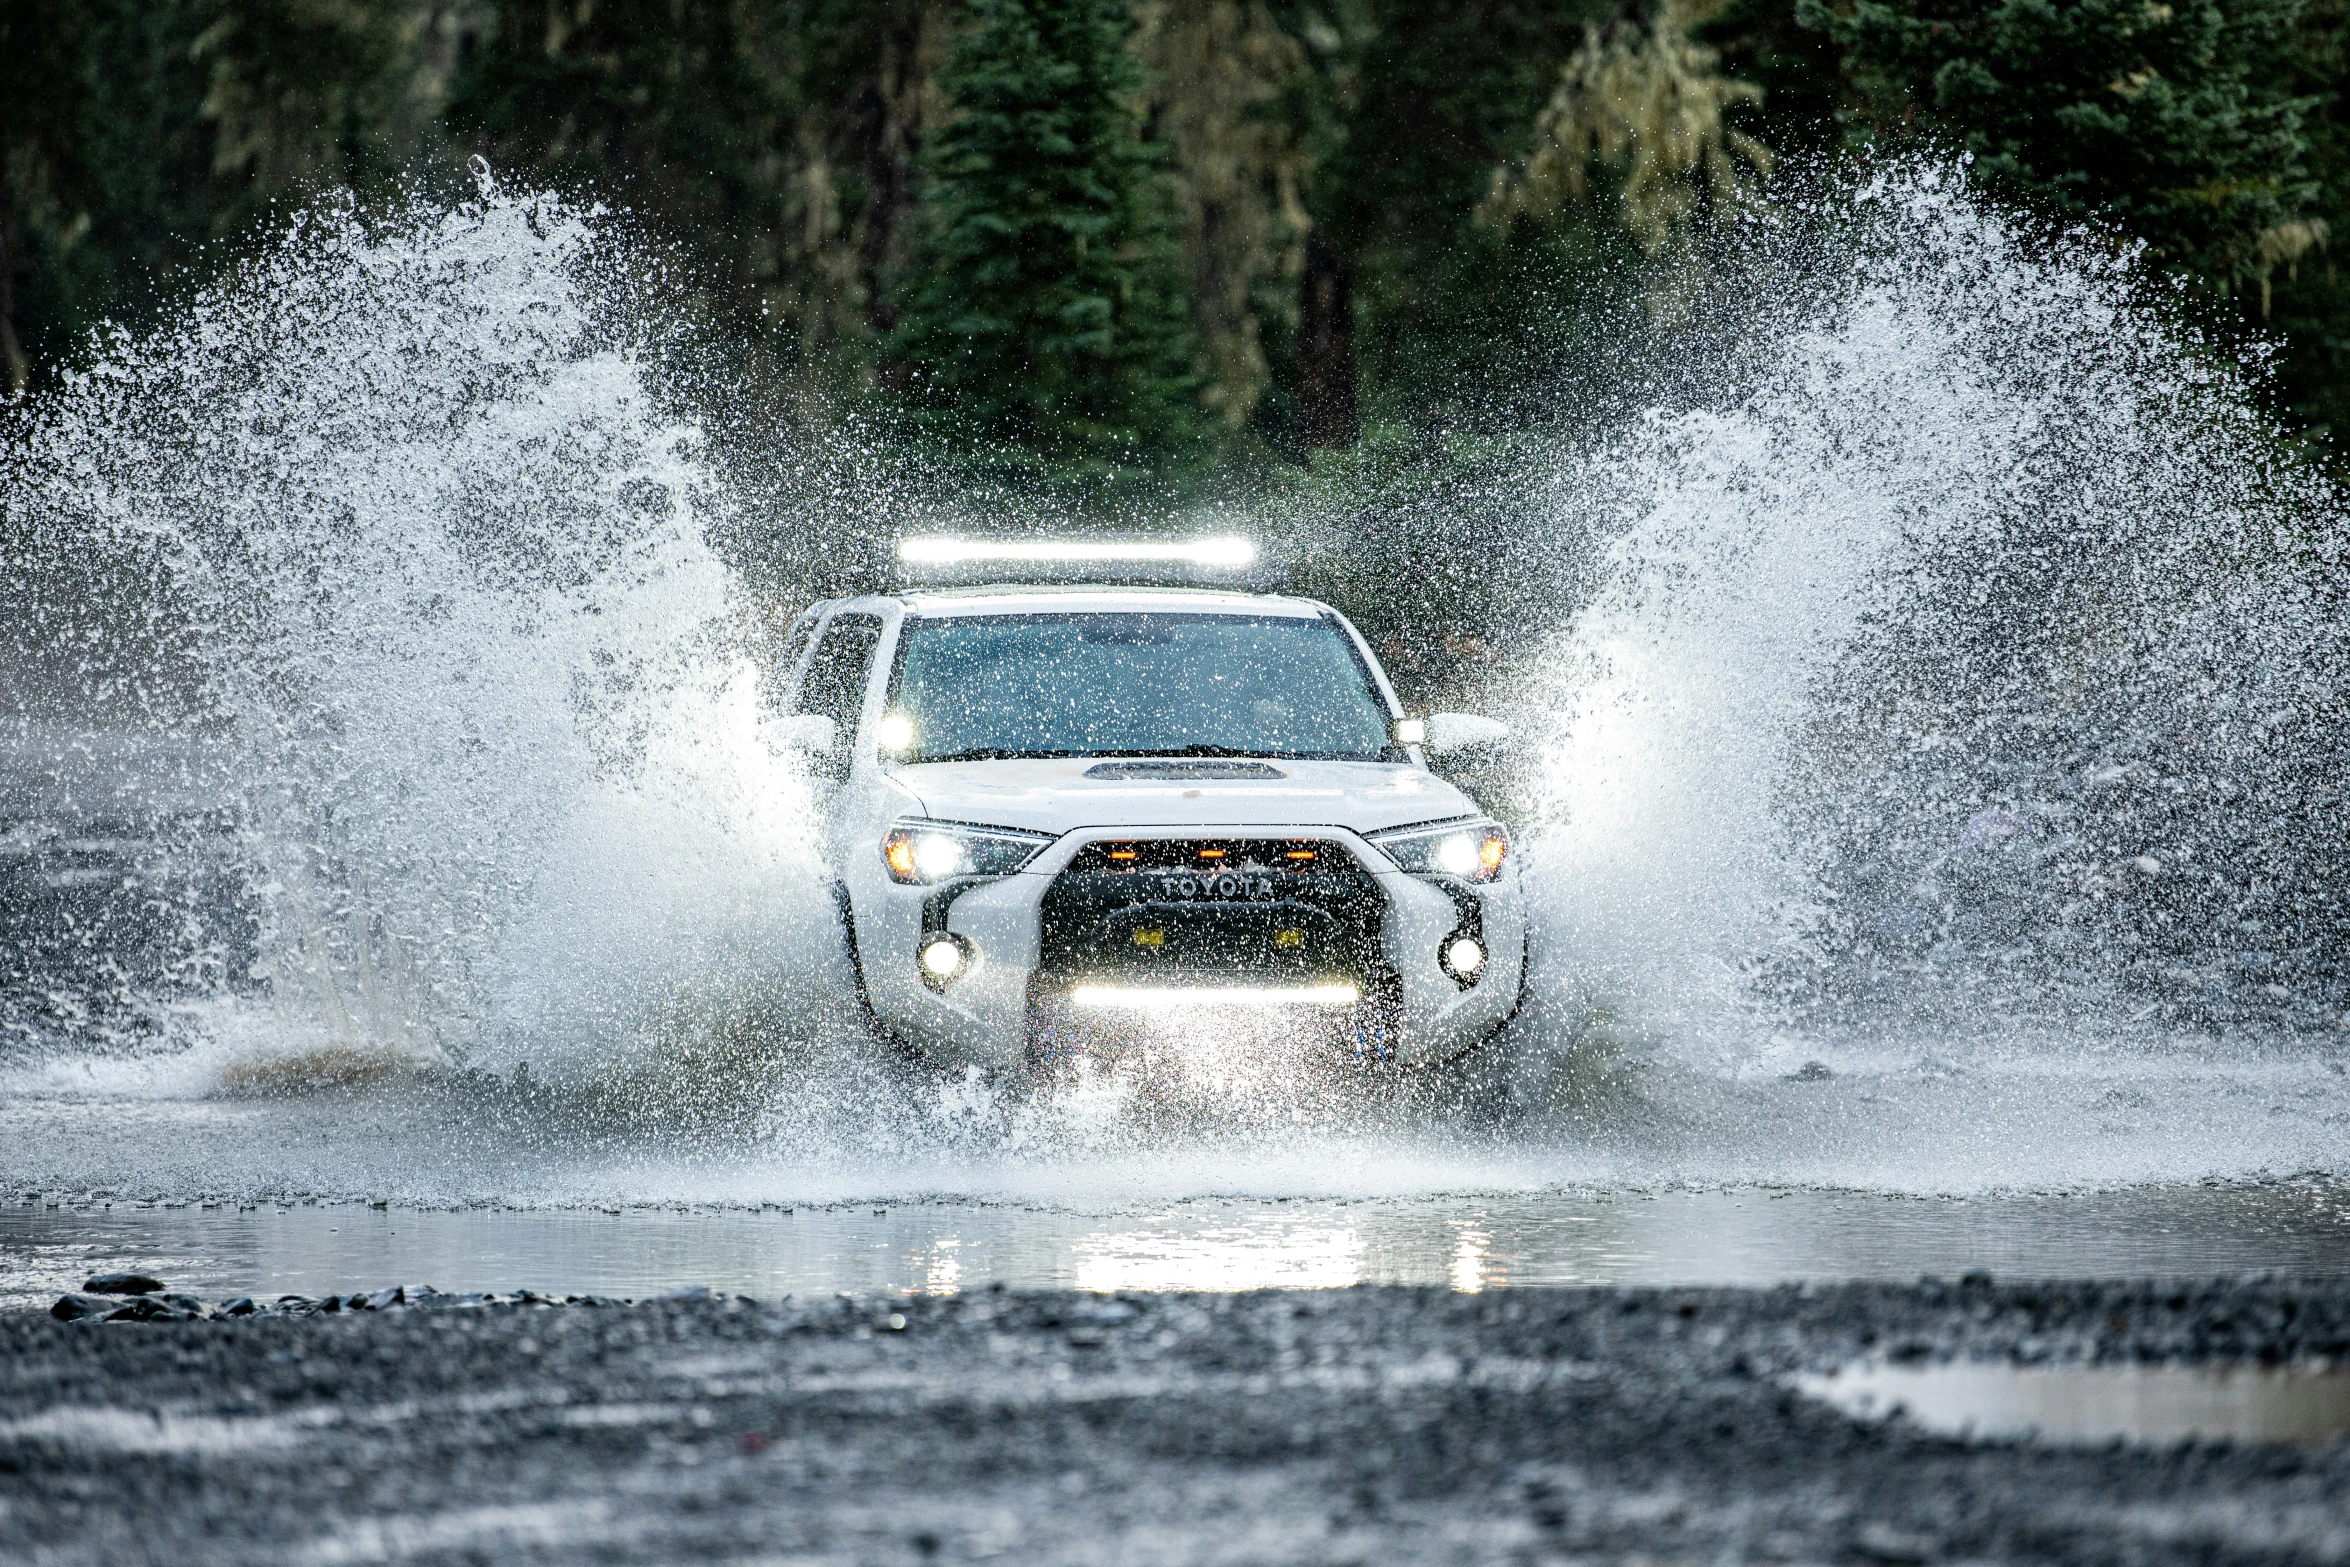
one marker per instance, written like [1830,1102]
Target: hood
[1058,796]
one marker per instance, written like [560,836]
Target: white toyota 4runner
[1065,819]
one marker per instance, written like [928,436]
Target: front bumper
[1264,921]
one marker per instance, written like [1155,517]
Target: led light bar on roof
[1230,552]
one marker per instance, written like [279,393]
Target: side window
[835,686]
[787,664]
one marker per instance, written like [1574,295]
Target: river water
[1930,757]
[1742,1237]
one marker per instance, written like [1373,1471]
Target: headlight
[917,852]
[1465,851]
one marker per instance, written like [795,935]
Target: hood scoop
[1183,770]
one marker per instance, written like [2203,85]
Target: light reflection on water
[1242,1256]
[1473,1265]
[1463,1243]
[2092,1404]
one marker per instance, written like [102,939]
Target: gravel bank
[1369,1425]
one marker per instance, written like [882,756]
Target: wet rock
[242,1306]
[73,1308]
[140,1308]
[1879,1542]
[1546,1504]
[123,1284]
[381,1299]
[1811,1072]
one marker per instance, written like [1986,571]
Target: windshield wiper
[993,753]
[1179,750]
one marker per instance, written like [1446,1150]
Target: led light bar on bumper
[922,852]
[1172,998]
[1470,851]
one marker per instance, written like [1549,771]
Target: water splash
[1978,663]
[429,542]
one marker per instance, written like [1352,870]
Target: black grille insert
[1151,910]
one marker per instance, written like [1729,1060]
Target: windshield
[1140,684]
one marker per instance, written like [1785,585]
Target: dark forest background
[1106,236]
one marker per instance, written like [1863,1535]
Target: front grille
[1239,912]
[1194,910]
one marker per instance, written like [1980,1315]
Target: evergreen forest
[1104,237]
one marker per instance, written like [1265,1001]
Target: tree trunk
[15,370]
[1325,349]
[888,128]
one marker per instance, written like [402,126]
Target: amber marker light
[899,853]
[1301,854]
[1211,854]
[1489,853]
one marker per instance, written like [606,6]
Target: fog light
[943,958]
[1463,958]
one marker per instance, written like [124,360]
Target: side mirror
[1464,737]
[812,732]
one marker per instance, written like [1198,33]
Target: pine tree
[2312,295]
[2175,120]
[1410,310]
[136,134]
[1046,308]
[1219,73]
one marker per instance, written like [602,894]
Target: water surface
[1748,1237]
[2096,1404]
